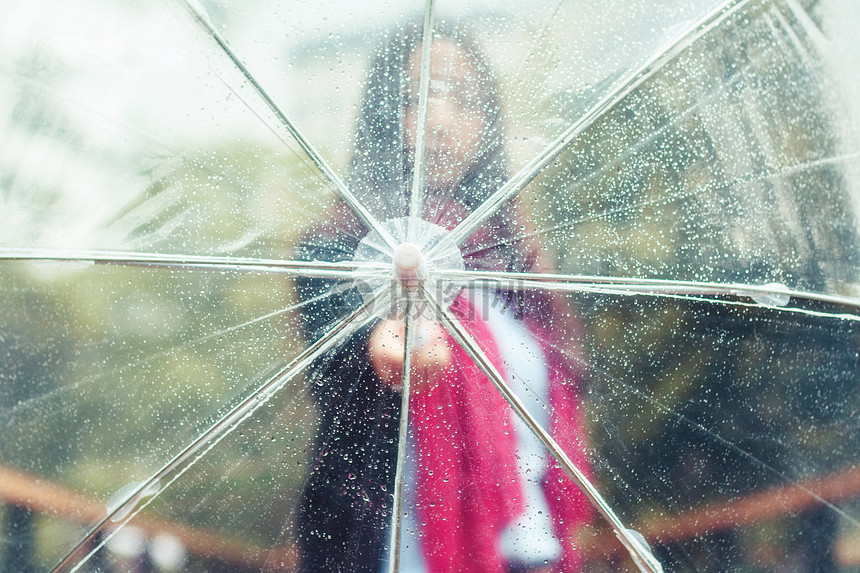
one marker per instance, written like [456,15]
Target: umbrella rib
[403,433]
[148,490]
[641,555]
[81,258]
[416,206]
[366,217]
[635,286]
[523,177]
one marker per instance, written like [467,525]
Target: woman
[467,491]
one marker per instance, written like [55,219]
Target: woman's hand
[430,355]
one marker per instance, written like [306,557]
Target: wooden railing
[752,509]
[21,489]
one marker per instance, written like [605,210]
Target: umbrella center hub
[410,268]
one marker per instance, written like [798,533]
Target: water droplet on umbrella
[778,295]
[125,499]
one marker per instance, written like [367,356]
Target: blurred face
[455,118]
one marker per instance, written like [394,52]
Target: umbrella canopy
[362,287]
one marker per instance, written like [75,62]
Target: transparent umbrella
[455,285]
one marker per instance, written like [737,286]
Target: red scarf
[468,488]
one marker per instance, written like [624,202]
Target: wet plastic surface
[637,227]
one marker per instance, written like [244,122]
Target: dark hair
[381,170]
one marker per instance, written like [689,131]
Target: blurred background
[724,430]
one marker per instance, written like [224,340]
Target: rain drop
[778,295]
[126,494]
